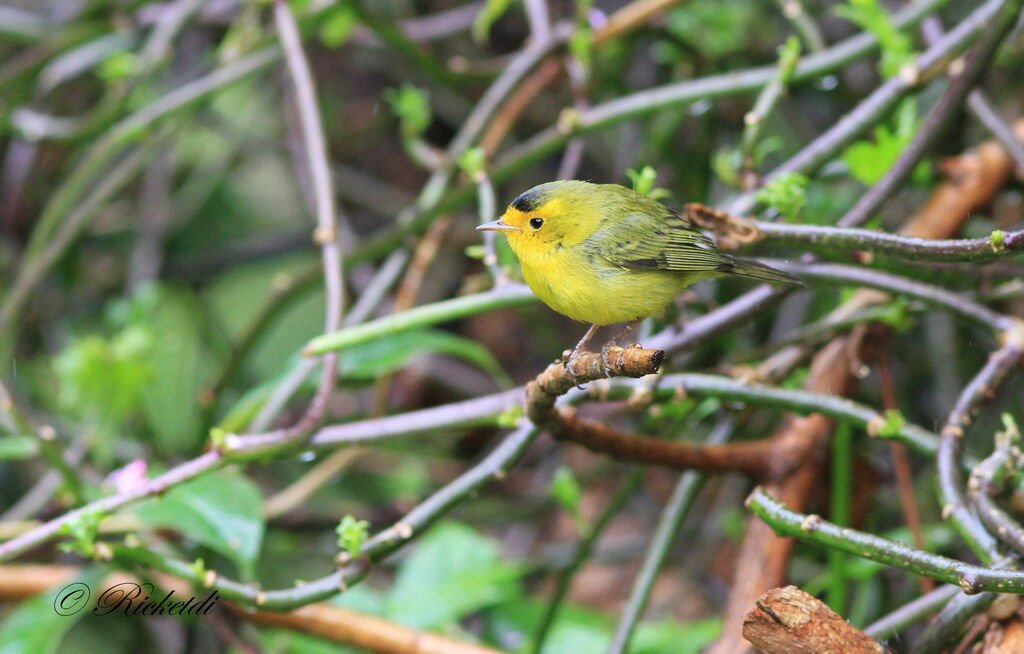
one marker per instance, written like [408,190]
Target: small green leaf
[893,425]
[870,16]
[338,25]
[472,161]
[222,510]
[997,239]
[82,529]
[643,182]
[787,194]
[352,534]
[868,161]
[412,108]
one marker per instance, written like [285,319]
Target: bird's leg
[614,342]
[580,347]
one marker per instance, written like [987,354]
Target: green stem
[842,476]
[970,578]
[509,295]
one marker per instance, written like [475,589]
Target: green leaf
[221,510]
[411,106]
[473,161]
[393,352]
[338,25]
[17,447]
[178,360]
[895,45]
[787,194]
[352,534]
[868,162]
[643,183]
[102,381]
[452,572]
[35,626]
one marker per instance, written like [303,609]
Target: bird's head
[550,216]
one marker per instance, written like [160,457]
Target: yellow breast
[587,288]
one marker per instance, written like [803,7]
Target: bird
[605,254]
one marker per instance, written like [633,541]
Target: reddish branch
[755,458]
[761,459]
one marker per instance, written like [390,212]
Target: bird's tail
[759,271]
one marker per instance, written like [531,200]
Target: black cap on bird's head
[528,201]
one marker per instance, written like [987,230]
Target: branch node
[956,67]
[403,530]
[730,230]
[910,74]
[324,235]
[875,425]
[811,523]
[1013,336]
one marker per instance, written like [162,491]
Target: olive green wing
[666,242]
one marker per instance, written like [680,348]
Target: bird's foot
[606,354]
[568,358]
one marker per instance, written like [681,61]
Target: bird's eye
[536,222]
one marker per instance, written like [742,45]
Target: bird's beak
[497,226]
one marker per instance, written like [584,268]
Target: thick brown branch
[789,621]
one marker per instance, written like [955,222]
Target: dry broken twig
[789,621]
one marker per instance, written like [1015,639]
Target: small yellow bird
[604,254]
